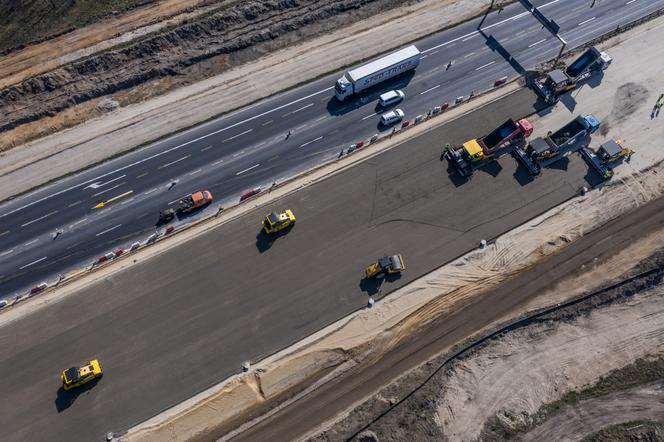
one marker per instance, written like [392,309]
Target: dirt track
[331,399]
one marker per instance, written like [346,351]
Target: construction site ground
[435,313]
[120,119]
[511,386]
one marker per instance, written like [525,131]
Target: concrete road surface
[186,319]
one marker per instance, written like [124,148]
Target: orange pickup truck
[194,201]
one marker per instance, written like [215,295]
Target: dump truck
[559,81]
[359,79]
[476,153]
[386,265]
[541,152]
[194,201]
[609,155]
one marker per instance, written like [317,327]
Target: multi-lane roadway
[57,227]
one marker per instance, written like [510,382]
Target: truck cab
[343,88]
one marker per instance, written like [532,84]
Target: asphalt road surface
[186,319]
[334,397]
[249,147]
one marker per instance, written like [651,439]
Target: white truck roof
[382,63]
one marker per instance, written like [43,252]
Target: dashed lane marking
[33,263]
[247,169]
[39,219]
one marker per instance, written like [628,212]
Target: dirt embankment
[187,53]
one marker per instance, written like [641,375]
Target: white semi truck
[356,80]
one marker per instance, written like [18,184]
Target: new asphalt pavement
[249,147]
[169,327]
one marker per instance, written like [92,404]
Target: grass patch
[23,22]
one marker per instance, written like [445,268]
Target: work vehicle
[570,138]
[559,81]
[359,79]
[386,265]
[391,117]
[77,376]
[275,222]
[392,97]
[476,153]
[609,155]
[194,201]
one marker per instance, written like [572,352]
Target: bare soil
[187,53]
[638,431]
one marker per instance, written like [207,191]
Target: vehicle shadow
[373,285]
[65,399]
[337,108]
[265,241]
[522,175]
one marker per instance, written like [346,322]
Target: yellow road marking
[103,203]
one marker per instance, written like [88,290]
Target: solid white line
[488,27]
[7,252]
[429,90]
[369,116]
[108,230]
[158,154]
[173,162]
[537,42]
[95,185]
[248,169]
[39,219]
[33,263]
[238,135]
[586,21]
[31,242]
[108,190]
[484,65]
[309,142]
[195,171]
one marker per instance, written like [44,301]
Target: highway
[249,147]
[184,320]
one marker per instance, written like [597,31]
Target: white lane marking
[238,135]
[7,252]
[468,38]
[108,230]
[217,162]
[630,1]
[434,52]
[586,21]
[537,42]
[173,162]
[206,148]
[74,203]
[247,169]
[78,222]
[320,118]
[39,219]
[484,65]
[369,116]
[237,154]
[267,122]
[174,201]
[523,14]
[469,55]
[150,191]
[424,56]
[297,110]
[109,189]
[30,242]
[309,142]
[158,154]
[194,172]
[127,201]
[98,184]
[33,263]
[430,89]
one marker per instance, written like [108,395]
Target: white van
[391,117]
[392,97]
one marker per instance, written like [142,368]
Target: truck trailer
[475,153]
[560,81]
[359,79]
[541,152]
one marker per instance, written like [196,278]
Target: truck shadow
[337,108]
[264,241]
[66,399]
